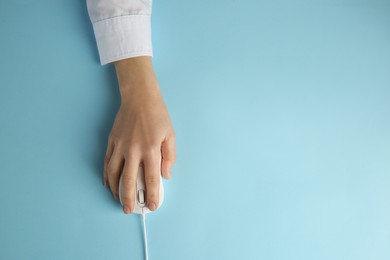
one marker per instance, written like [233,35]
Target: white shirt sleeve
[122,28]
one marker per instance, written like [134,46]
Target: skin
[142,134]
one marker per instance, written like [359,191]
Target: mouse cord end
[145,237]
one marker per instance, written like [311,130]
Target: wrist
[136,78]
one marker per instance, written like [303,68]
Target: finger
[152,168]
[128,182]
[114,169]
[107,157]
[168,152]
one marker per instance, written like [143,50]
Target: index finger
[127,185]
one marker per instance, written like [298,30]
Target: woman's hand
[142,135]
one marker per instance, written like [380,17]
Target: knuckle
[130,154]
[152,151]
[129,201]
[152,180]
[131,151]
[128,180]
[118,143]
[113,170]
[132,146]
[112,180]
[169,160]
[152,197]
[110,169]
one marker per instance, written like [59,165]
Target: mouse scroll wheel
[141,197]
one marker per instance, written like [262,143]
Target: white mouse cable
[145,237]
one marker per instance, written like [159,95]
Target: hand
[142,135]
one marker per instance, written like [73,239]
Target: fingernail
[106,183]
[152,206]
[126,209]
[116,197]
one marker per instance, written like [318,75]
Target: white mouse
[140,206]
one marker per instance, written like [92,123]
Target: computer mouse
[140,206]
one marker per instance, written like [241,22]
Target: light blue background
[282,114]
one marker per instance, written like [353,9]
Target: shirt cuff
[123,37]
